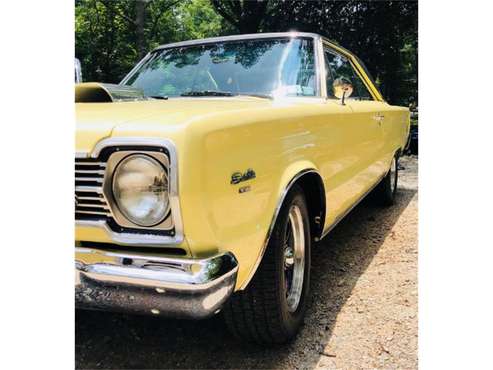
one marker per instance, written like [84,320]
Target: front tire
[271,309]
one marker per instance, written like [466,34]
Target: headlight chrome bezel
[122,223]
[161,171]
[174,235]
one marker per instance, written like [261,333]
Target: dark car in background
[413,134]
[412,141]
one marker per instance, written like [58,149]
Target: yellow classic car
[204,177]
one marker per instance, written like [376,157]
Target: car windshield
[270,67]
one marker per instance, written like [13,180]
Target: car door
[379,112]
[363,126]
[370,113]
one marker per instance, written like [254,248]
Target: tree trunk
[140,10]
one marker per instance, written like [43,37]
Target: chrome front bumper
[152,284]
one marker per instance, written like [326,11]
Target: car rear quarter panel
[395,129]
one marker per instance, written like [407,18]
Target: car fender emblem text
[238,177]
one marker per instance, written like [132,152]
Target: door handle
[379,118]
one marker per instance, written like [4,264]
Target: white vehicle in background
[78,71]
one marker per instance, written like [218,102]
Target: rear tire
[387,188]
[272,307]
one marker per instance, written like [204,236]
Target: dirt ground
[363,312]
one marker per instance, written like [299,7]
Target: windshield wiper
[224,93]
[207,93]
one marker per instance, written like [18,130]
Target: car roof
[249,36]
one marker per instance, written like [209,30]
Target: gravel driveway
[363,312]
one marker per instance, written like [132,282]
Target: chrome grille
[89,199]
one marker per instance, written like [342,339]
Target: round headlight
[140,189]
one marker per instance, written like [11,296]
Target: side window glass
[363,92]
[341,67]
[329,75]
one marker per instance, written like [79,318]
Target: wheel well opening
[314,191]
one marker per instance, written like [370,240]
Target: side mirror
[343,88]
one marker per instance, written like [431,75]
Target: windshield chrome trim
[250,36]
[134,69]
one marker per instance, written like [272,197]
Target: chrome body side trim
[154,284]
[273,223]
[127,238]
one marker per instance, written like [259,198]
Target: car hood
[156,118]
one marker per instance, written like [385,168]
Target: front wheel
[271,309]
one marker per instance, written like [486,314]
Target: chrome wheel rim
[393,173]
[294,258]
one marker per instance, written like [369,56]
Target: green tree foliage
[112,36]
[384,34]
[244,16]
